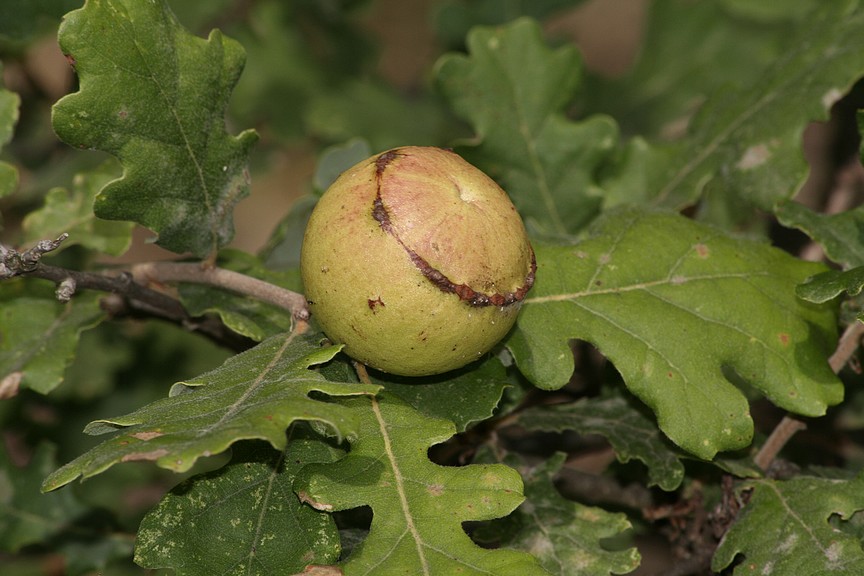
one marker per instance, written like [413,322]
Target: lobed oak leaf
[513,89]
[254,395]
[271,531]
[418,507]
[683,311]
[154,96]
[787,528]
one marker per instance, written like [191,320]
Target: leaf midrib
[400,486]
[193,157]
[673,281]
[240,403]
[530,141]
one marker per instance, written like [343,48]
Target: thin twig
[14,263]
[169,272]
[781,434]
[121,284]
[362,373]
[134,296]
[846,346]
[132,299]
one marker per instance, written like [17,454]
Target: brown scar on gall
[373,304]
[383,160]
[436,277]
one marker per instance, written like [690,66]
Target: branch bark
[169,272]
[128,298]
[134,295]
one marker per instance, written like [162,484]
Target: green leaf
[418,507]
[630,432]
[378,114]
[39,335]
[465,397]
[513,90]
[786,529]
[247,316]
[828,285]
[655,293]
[154,96]
[841,235]
[250,509]
[564,535]
[690,51]
[72,212]
[254,395]
[26,515]
[9,103]
[747,140]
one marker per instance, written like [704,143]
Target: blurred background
[320,73]
[317,74]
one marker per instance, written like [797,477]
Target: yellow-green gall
[416,261]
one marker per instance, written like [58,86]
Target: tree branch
[133,295]
[120,284]
[128,298]
[846,346]
[168,272]
[781,434]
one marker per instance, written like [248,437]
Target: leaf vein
[400,487]
[573,296]
[239,404]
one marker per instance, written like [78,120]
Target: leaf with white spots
[746,138]
[565,536]
[242,518]
[684,312]
[154,96]
[418,507]
[795,528]
[838,234]
[254,395]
